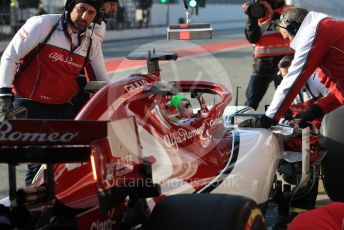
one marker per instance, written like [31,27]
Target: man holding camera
[269,46]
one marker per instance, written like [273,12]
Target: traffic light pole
[13,20]
[168,13]
[187,12]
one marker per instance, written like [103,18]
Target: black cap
[94,3]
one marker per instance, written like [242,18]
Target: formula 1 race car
[129,160]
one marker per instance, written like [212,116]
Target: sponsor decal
[59,57]
[135,85]
[6,134]
[105,224]
[45,97]
[182,135]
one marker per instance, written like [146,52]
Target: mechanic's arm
[324,105]
[252,28]
[96,69]
[319,109]
[328,103]
[307,58]
[311,44]
[27,38]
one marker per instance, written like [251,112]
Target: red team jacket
[318,43]
[50,76]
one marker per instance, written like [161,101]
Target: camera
[256,10]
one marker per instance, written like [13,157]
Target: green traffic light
[163,1]
[192,3]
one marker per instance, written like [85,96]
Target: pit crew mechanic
[40,65]
[269,47]
[309,94]
[109,7]
[318,41]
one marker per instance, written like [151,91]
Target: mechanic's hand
[307,117]
[258,122]
[6,101]
[245,6]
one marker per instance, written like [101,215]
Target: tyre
[206,211]
[332,139]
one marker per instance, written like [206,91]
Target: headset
[291,26]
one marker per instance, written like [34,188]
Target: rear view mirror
[189,31]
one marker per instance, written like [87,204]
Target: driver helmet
[182,105]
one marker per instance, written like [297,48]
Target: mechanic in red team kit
[269,46]
[40,65]
[309,94]
[318,41]
[109,7]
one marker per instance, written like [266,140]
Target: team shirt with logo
[50,76]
